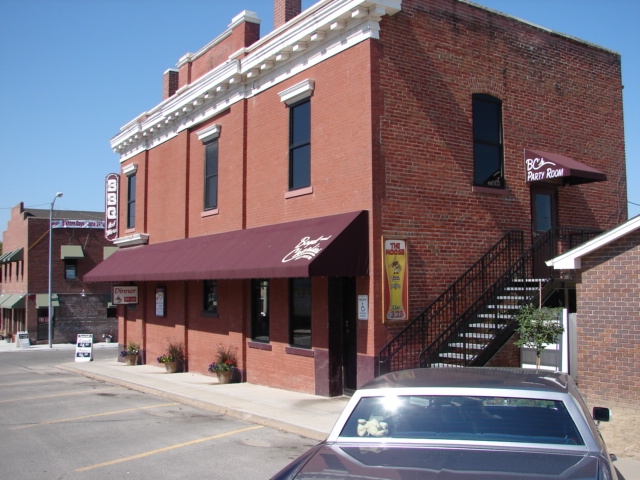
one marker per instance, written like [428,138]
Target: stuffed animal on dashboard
[372,428]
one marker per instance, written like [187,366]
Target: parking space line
[166,449]
[35,381]
[92,416]
[61,394]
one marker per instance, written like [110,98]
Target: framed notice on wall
[395,272]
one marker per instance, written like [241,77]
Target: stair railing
[403,351]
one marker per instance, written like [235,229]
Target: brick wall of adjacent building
[609,324]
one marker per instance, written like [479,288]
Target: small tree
[538,327]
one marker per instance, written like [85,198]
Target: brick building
[78,245]
[607,270]
[360,189]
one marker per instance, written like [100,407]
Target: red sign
[111,206]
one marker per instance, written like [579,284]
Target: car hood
[424,463]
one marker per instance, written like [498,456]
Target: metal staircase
[469,323]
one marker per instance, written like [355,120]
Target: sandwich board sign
[23,340]
[84,347]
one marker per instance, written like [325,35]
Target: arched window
[487,141]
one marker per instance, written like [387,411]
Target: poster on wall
[161,299]
[396,279]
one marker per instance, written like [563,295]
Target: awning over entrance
[555,168]
[336,245]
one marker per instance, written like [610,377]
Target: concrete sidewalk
[308,415]
[311,416]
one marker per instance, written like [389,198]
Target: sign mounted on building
[111,206]
[556,168]
[77,224]
[396,279]
[125,295]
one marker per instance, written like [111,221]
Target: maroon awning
[556,168]
[336,245]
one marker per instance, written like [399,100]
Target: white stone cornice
[326,29]
[132,240]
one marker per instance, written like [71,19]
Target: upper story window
[300,145]
[209,136]
[487,141]
[131,201]
[130,171]
[211,175]
[297,99]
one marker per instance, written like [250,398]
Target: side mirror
[601,414]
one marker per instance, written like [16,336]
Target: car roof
[474,377]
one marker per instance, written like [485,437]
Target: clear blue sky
[75,71]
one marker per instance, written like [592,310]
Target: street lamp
[59,194]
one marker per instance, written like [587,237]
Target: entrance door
[343,335]
[543,219]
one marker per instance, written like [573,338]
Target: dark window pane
[131,201]
[487,141]
[260,310]
[211,192]
[300,123]
[300,167]
[486,121]
[300,312]
[211,176]
[210,296]
[488,168]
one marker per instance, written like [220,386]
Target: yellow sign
[396,279]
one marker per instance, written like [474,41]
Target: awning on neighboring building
[15,300]
[12,256]
[42,300]
[555,168]
[336,245]
[71,251]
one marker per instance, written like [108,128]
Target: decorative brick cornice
[320,32]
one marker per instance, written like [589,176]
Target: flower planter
[171,367]
[131,359]
[224,377]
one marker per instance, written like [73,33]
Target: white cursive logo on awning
[533,170]
[307,249]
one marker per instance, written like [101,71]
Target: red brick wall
[609,324]
[558,95]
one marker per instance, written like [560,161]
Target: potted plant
[538,327]
[130,354]
[226,363]
[173,358]
[107,337]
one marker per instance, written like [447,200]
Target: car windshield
[497,419]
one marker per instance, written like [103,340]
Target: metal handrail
[416,345]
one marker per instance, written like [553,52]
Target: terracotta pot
[171,367]
[131,359]
[224,377]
